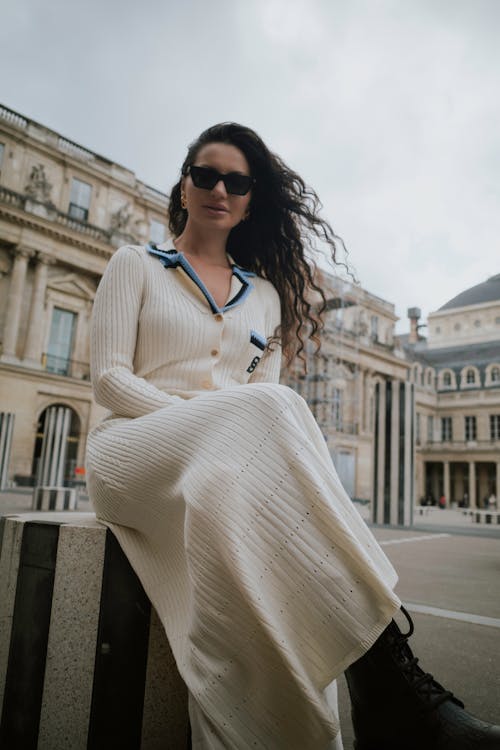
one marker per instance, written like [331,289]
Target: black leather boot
[398,706]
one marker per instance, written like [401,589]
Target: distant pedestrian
[492,501]
[442,502]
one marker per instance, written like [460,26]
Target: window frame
[76,210]
[446,429]
[470,428]
[494,426]
[66,369]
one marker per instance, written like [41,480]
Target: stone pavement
[450,583]
[449,571]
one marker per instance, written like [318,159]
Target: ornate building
[456,372]
[360,393]
[63,211]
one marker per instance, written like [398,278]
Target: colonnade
[445,481]
[32,353]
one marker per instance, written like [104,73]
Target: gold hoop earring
[184,204]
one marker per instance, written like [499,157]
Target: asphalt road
[455,579]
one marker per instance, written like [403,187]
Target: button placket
[207,383]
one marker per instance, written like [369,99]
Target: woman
[218,484]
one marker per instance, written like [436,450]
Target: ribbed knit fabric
[222,493]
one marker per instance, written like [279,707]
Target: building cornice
[50,229]
[70,154]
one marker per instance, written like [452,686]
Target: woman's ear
[183,194]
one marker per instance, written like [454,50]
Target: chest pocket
[259,342]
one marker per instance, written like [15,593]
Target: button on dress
[219,487]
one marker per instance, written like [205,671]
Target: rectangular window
[79,200]
[2,149]
[470,428]
[337,408]
[495,426]
[60,341]
[430,429]
[374,327]
[446,429]
[417,429]
[156,232]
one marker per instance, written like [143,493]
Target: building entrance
[56,446]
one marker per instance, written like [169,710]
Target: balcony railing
[346,428]
[16,200]
[11,198]
[69,368]
[13,117]
[469,444]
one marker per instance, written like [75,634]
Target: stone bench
[84,661]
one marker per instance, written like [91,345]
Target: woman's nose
[220,189]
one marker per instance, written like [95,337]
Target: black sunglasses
[207,178]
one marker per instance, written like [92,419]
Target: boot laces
[427,688]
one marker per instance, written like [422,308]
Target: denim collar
[173,259]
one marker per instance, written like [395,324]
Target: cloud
[389,109]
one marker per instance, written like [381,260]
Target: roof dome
[488,291]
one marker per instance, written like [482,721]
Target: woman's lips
[217,209]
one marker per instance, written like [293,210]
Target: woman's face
[216,208]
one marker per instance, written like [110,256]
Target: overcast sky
[390,109]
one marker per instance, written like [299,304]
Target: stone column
[367,399]
[34,342]
[378,515]
[410,457]
[359,410]
[394,461]
[14,304]
[472,485]
[497,492]
[6,429]
[446,482]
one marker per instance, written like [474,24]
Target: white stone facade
[53,252]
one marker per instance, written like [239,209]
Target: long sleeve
[113,338]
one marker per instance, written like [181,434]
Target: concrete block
[81,644]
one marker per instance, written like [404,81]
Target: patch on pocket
[258,340]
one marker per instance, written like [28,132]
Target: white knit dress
[219,487]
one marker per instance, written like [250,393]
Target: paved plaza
[449,580]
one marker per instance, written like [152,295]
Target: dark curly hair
[284,218]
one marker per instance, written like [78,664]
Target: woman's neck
[207,246]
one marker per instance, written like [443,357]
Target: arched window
[495,374]
[470,377]
[447,379]
[56,446]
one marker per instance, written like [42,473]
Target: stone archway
[56,446]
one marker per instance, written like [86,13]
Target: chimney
[414,314]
